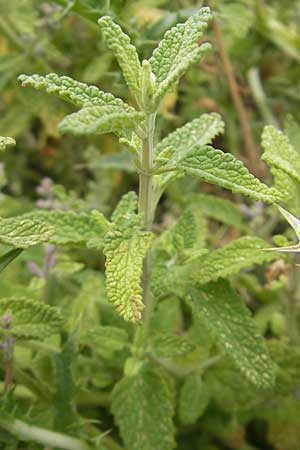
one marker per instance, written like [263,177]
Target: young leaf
[125,52]
[223,169]
[143,408]
[166,345]
[99,120]
[225,315]
[126,206]
[125,251]
[8,257]
[28,319]
[278,152]
[193,400]
[22,232]
[178,50]
[70,228]
[75,92]
[6,142]
[232,258]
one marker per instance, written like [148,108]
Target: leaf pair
[177,51]
[193,156]
[101,112]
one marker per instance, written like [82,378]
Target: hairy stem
[46,437]
[146,208]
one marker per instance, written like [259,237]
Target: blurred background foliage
[261,42]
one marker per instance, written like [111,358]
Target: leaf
[6,142]
[198,132]
[99,120]
[125,251]
[143,410]
[8,257]
[108,338]
[71,228]
[23,233]
[65,416]
[28,319]
[288,187]
[185,229]
[178,50]
[278,152]
[218,208]
[193,399]
[75,92]
[166,345]
[225,315]
[232,258]
[126,206]
[223,169]
[125,52]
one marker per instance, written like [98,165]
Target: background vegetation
[252,79]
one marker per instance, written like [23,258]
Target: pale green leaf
[218,208]
[71,228]
[143,410]
[193,399]
[126,206]
[185,229]
[278,152]
[232,258]
[99,120]
[223,169]
[125,52]
[6,142]
[178,50]
[166,345]
[28,319]
[75,92]
[125,251]
[223,312]
[23,232]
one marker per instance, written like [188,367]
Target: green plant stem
[146,208]
[27,432]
